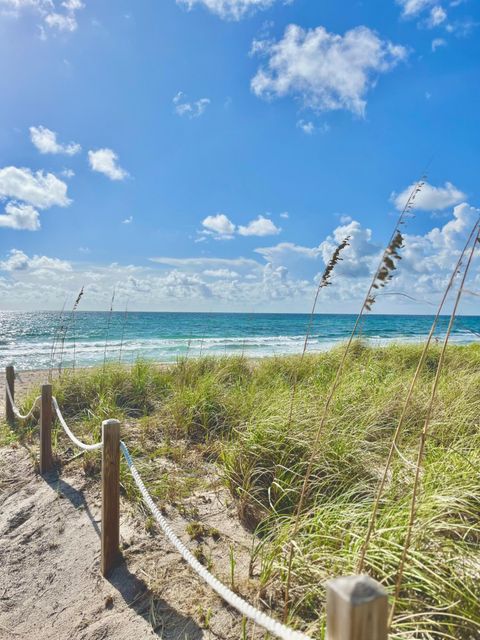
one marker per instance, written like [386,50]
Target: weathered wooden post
[10,383]
[46,414]
[357,609]
[110,495]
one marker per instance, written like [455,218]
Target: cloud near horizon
[285,272]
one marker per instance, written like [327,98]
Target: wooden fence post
[110,495]
[10,383]
[46,414]
[357,609]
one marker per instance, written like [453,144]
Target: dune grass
[236,412]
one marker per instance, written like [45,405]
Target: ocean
[26,339]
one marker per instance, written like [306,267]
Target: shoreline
[371,342]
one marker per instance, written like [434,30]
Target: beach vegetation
[234,412]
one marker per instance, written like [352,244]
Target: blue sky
[207,154]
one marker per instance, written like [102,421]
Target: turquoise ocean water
[26,338]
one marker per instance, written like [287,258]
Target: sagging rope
[15,408]
[243,607]
[73,438]
[61,419]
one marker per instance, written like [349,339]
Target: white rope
[15,408]
[246,609]
[79,443]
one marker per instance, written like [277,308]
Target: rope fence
[357,606]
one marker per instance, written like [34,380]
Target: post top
[111,422]
[357,589]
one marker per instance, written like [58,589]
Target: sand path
[50,584]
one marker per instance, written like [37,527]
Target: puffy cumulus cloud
[20,216]
[53,14]
[360,258]
[19,261]
[430,198]
[219,226]
[325,70]
[231,9]
[46,142]
[453,234]
[106,161]
[261,226]
[40,189]
[193,109]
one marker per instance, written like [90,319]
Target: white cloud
[14,7]
[309,128]
[20,216]
[220,273]
[19,261]
[278,253]
[411,8]
[40,189]
[106,161]
[67,173]
[261,226]
[306,126]
[437,43]
[61,21]
[430,198]
[46,142]
[231,9]
[284,215]
[202,263]
[128,220]
[55,15]
[219,226]
[189,109]
[430,13]
[437,16]
[326,71]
